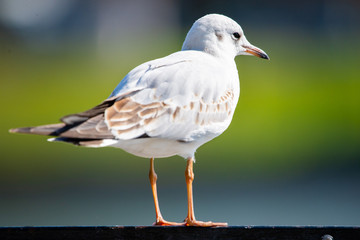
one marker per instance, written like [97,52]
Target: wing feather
[93,128]
[162,120]
[171,98]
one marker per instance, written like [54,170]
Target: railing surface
[184,233]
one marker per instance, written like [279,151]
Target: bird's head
[220,36]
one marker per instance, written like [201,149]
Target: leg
[190,219]
[159,219]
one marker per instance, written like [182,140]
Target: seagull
[168,106]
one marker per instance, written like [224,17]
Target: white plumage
[168,106]
[179,99]
[171,105]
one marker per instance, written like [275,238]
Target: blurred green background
[290,157]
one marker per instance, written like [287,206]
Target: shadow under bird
[168,106]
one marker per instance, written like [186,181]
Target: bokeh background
[290,157]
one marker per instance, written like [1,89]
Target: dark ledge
[158,233]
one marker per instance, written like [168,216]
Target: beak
[256,52]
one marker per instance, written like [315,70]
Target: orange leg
[159,219]
[190,219]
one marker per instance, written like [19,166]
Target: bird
[167,106]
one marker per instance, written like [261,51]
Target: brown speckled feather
[128,119]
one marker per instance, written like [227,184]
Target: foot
[162,222]
[195,223]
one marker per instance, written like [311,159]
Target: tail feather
[50,130]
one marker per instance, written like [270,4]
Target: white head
[220,36]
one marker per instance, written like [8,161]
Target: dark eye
[236,35]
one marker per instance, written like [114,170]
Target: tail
[85,129]
[57,130]
[48,130]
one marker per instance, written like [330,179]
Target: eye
[236,35]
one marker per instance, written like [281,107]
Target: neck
[220,54]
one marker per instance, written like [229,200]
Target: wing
[129,119]
[175,98]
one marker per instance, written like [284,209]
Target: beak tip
[263,55]
[257,52]
[266,57]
